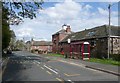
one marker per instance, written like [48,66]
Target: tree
[5,29]
[18,10]
[13,13]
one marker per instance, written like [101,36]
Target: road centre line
[50,69]
[37,62]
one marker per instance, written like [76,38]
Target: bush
[32,51]
[115,57]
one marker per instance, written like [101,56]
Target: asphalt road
[25,66]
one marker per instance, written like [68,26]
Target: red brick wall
[43,48]
[55,40]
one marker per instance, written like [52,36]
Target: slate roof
[42,43]
[96,32]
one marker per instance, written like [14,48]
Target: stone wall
[115,45]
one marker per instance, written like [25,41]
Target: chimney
[68,29]
[64,26]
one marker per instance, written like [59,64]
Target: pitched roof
[63,31]
[42,43]
[100,31]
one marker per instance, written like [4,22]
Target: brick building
[41,46]
[59,36]
[98,39]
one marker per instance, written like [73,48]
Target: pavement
[112,69]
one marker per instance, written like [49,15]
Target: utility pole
[109,30]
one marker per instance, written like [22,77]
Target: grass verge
[105,61]
[54,54]
[102,61]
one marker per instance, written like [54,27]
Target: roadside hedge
[115,57]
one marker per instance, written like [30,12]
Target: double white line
[50,69]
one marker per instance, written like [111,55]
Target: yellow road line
[71,74]
[59,79]
[49,66]
[48,72]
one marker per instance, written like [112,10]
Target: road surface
[25,66]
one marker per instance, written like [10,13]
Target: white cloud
[103,11]
[24,32]
[51,19]
[66,10]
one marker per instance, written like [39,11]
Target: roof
[96,32]
[42,43]
[28,42]
[62,31]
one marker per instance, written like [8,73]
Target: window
[93,43]
[91,33]
[85,48]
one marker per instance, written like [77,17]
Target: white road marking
[70,81]
[38,62]
[42,68]
[50,69]
[56,69]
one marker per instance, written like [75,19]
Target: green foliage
[21,10]
[32,51]
[16,10]
[6,34]
[115,57]
[57,55]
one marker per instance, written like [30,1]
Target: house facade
[41,46]
[98,37]
[59,36]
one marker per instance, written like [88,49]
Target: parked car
[9,51]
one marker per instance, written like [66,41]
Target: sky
[79,15]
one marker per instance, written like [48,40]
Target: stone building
[98,39]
